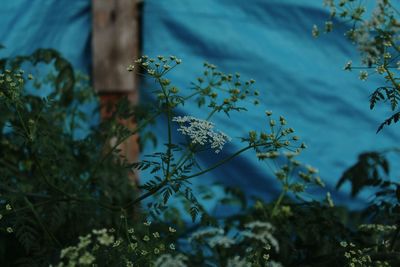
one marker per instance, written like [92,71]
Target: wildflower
[117,243]
[103,237]
[222,241]
[156,235]
[156,251]
[262,234]
[282,120]
[238,262]
[146,238]
[8,207]
[380,69]
[315,31]
[86,259]
[328,26]
[319,182]
[311,170]
[259,224]
[130,68]
[70,251]
[201,132]
[329,200]
[363,75]
[212,231]
[286,143]
[133,246]
[172,246]
[84,241]
[272,123]
[131,230]
[172,230]
[167,260]
[129,264]
[348,66]
[9,230]
[147,223]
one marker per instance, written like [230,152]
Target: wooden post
[115,44]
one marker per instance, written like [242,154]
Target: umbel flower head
[201,132]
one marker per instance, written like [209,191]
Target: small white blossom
[167,260]
[222,241]
[259,224]
[201,132]
[86,259]
[238,262]
[315,31]
[103,237]
[212,231]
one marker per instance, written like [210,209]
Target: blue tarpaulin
[299,77]
[62,25]
[270,41]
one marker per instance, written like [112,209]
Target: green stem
[278,202]
[163,183]
[169,127]
[45,229]
[37,162]
[223,161]
[185,157]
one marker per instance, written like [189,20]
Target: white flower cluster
[77,255]
[215,237]
[238,262]
[261,231]
[167,260]
[211,231]
[221,241]
[201,132]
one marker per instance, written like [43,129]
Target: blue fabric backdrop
[299,77]
[63,25]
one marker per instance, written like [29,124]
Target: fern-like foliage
[371,169]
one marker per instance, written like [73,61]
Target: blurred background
[298,76]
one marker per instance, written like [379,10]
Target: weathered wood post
[115,44]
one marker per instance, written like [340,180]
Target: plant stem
[223,161]
[278,202]
[41,223]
